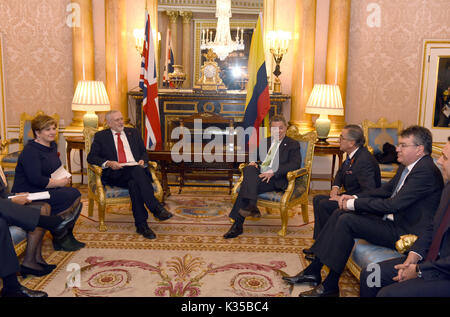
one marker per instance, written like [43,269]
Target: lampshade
[325,99]
[90,96]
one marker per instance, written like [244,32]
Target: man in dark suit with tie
[404,205]
[269,174]
[426,270]
[359,172]
[112,148]
[28,218]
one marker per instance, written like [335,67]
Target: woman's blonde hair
[42,122]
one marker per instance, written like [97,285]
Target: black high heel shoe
[47,266]
[25,270]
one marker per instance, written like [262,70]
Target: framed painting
[2,93]
[434,108]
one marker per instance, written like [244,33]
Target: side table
[332,148]
[75,143]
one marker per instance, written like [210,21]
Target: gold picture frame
[435,75]
[2,94]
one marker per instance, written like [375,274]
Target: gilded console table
[176,103]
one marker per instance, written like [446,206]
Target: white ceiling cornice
[237,6]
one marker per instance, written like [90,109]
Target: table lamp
[90,96]
[324,100]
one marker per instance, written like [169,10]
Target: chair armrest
[96,169]
[405,242]
[5,143]
[292,175]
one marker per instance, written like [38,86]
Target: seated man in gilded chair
[269,175]
[117,145]
[358,173]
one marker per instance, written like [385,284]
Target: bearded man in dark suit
[268,175]
[404,205]
[425,272]
[117,145]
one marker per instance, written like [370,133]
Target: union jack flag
[149,85]
[168,66]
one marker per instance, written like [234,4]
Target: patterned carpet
[188,258]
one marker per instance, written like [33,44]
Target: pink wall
[385,62]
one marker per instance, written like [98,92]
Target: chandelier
[223,44]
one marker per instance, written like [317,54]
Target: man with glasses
[426,269]
[359,172]
[404,205]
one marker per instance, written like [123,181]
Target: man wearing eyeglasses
[404,205]
[359,172]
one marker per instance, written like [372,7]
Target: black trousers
[14,215]
[335,242]
[323,209]
[138,181]
[251,187]
[417,287]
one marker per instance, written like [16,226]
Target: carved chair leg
[305,213]
[284,221]
[90,207]
[101,217]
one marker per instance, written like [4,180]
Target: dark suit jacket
[362,174]
[416,202]
[421,246]
[103,148]
[289,159]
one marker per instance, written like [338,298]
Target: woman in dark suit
[38,160]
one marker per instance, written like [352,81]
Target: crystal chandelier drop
[223,44]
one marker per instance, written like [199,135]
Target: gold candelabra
[278,42]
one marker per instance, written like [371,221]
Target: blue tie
[400,181]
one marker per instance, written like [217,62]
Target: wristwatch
[418,271]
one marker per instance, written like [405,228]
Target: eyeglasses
[403,145]
[342,138]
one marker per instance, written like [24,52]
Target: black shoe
[75,242]
[161,213]
[320,291]
[65,244]
[303,278]
[310,257]
[47,266]
[23,292]
[250,211]
[235,230]
[307,251]
[25,270]
[68,221]
[145,231]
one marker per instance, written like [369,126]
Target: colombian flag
[257,103]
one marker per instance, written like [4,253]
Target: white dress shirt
[351,202]
[126,147]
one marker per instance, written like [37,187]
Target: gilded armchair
[298,187]
[377,134]
[9,159]
[105,195]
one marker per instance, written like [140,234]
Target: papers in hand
[35,196]
[129,164]
[60,173]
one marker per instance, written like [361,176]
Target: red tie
[121,150]
[437,239]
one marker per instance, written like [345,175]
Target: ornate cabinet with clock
[176,103]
